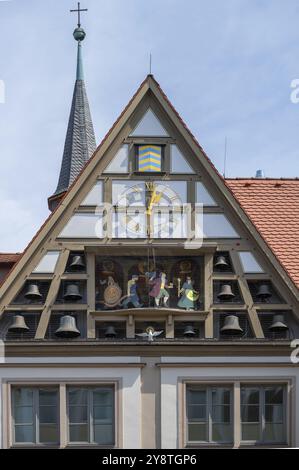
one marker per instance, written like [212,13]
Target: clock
[149,209]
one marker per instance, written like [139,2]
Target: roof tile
[273,206]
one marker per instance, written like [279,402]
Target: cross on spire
[79,10]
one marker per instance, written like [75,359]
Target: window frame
[209,411]
[36,415]
[289,384]
[61,385]
[90,418]
[262,414]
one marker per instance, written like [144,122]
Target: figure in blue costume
[189,298]
[132,297]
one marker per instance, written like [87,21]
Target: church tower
[80,140]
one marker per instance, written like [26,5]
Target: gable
[80,223]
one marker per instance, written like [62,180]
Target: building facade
[156,306]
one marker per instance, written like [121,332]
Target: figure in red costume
[158,290]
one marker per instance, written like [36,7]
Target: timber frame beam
[252,313]
[52,294]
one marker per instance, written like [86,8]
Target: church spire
[80,140]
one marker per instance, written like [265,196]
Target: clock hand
[155,199]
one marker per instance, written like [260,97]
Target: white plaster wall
[169,391]
[131,399]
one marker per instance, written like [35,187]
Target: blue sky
[226,67]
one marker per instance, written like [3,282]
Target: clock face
[149,208]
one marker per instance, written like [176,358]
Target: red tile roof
[273,206]
[9,258]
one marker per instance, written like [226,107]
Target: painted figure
[132,295]
[189,297]
[158,290]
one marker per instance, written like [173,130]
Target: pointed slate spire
[80,139]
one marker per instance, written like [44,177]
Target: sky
[227,67]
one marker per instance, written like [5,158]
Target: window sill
[260,445]
[34,446]
[90,446]
[209,445]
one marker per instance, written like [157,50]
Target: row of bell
[72,292]
[232,326]
[226,292]
[67,327]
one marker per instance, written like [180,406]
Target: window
[203,196]
[263,414]
[174,193]
[35,415]
[149,125]
[120,163]
[126,193]
[178,163]
[89,225]
[249,263]
[91,415]
[214,226]
[209,414]
[48,262]
[95,195]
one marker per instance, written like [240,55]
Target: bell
[278,324]
[189,331]
[18,324]
[221,262]
[33,292]
[263,292]
[110,332]
[231,326]
[72,293]
[77,263]
[226,292]
[68,328]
